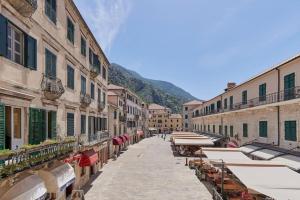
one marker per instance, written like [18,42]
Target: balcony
[98,137]
[25,7]
[101,106]
[52,87]
[136,117]
[122,118]
[85,99]
[284,95]
[94,71]
[30,156]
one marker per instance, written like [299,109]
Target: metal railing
[85,99]
[284,95]
[101,105]
[99,136]
[94,70]
[122,118]
[52,87]
[24,7]
[216,195]
[26,158]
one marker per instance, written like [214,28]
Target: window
[99,95]
[92,91]
[50,10]
[219,105]
[15,44]
[208,127]
[70,30]
[115,114]
[244,97]
[70,124]
[226,131]
[83,124]
[262,92]
[83,85]
[220,130]
[231,102]
[70,77]
[186,125]
[289,86]
[50,62]
[231,131]
[214,129]
[290,128]
[186,116]
[263,129]
[104,97]
[225,103]
[245,130]
[186,108]
[104,73]
[83,47]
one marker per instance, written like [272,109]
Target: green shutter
[231,131]
[263,129]
[290,130]
[245,130]
[70,124]
[30,52]
[37,125]
[53,132]
[3,36]
[2,126]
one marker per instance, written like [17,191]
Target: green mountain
[151,91]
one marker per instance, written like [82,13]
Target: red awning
[140,133]
[232,144]
[88,158]
[117,141]
[72,158]
[127,136]
[123,138]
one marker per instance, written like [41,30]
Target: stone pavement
[147,171]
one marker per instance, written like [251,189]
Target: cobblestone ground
[147,171]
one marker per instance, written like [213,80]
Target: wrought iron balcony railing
[85,99]
[29,157]
[284,95]
[94,71]
[136,117]
[25,7]
[101,106]
[98,137]
[122,118]
[52,87]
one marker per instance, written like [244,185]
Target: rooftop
[193,102]
[154,106]
[115,87]
[175,116]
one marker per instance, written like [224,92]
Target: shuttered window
[37,125]
[289,86]
[92,91]
[50,62]
[225,103]
[70,124]
[290,130]
[83,85]
[214,129]
[2,126]
[244,97]
[245,130]
[263,129]
[70,30]
[50,10]
[83,46]
[70,77]
[104,73]
[262,92]
[83,124]
[231,102]
[231,131]
[226,131]
[220,130]
[52,132]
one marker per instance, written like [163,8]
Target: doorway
[13,128]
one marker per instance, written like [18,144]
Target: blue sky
[198,45]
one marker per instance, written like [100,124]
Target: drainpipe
[278,107]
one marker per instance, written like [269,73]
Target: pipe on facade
[278,108]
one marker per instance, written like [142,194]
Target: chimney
[230,85]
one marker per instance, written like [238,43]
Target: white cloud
[105,18]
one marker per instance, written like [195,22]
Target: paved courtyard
[147,171]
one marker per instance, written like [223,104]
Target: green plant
[6,152]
